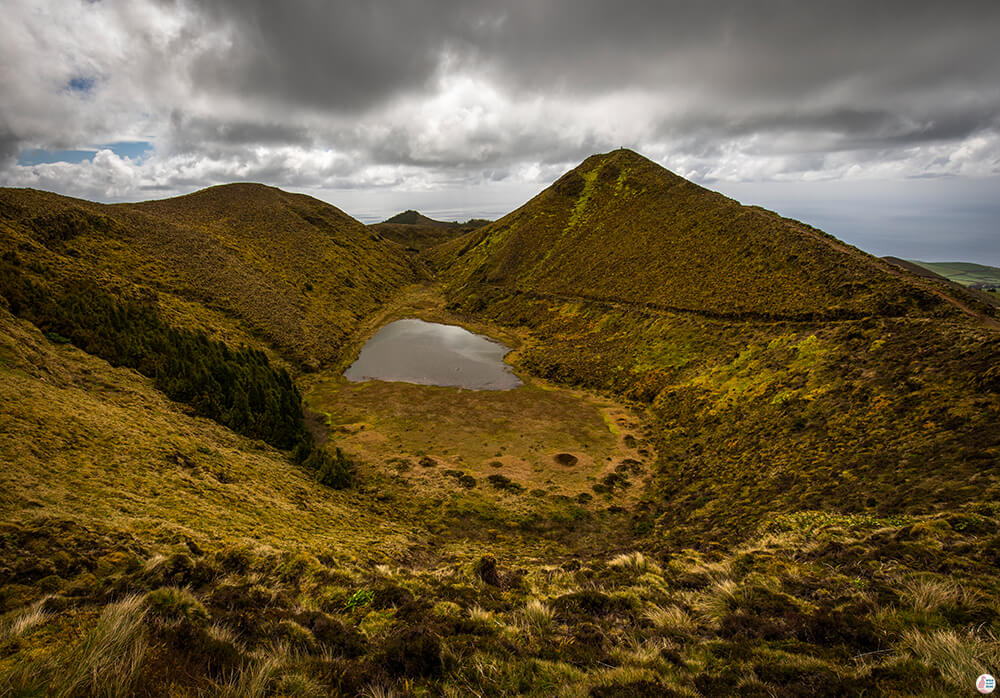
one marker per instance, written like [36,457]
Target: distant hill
[620,228]
[965,273]
[417,232]
[973,293]
[247,262]
[412,217]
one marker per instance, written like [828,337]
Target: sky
[878,122]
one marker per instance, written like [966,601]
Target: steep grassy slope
[787,370]
[620,228]
[245,261]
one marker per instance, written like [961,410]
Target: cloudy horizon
[878,122]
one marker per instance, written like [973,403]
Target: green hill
[621,229]
[411,217]
[417,232]
[965,273]
[254,264]
[786,369]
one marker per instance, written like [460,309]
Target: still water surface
[414,351]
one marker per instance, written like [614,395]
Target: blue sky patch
[124,149]
[129,149]
[41,156]
[81,84]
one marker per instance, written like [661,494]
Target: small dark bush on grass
[486,569]
[582,605]
[335,471]
[501,482]
[633,689]
[464,479]
[389,595]
[412,652]
[332,634]
[586,646]
[717,684]
[234,559]
[797,681]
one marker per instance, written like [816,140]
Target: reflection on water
[414,351]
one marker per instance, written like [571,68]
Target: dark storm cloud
[345,55]
[194,133]
[9,145]
[878,74]
[358,52]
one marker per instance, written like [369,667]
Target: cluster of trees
[237,388]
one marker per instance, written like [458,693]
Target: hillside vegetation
[620,228]
[786,370]
[284,272]
[747,459]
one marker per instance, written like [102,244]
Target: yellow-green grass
[514,433]
[620,228]
[247,262]
[92,443]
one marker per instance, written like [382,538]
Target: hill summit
[411,217]
[258,264]
[621,228]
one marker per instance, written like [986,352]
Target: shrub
[501,482]
[335,471]
[172,605]
[413,652]
[239,388]
[486,569]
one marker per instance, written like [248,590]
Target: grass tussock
[959,657]
[538,617]
[107,661]
[20,622]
